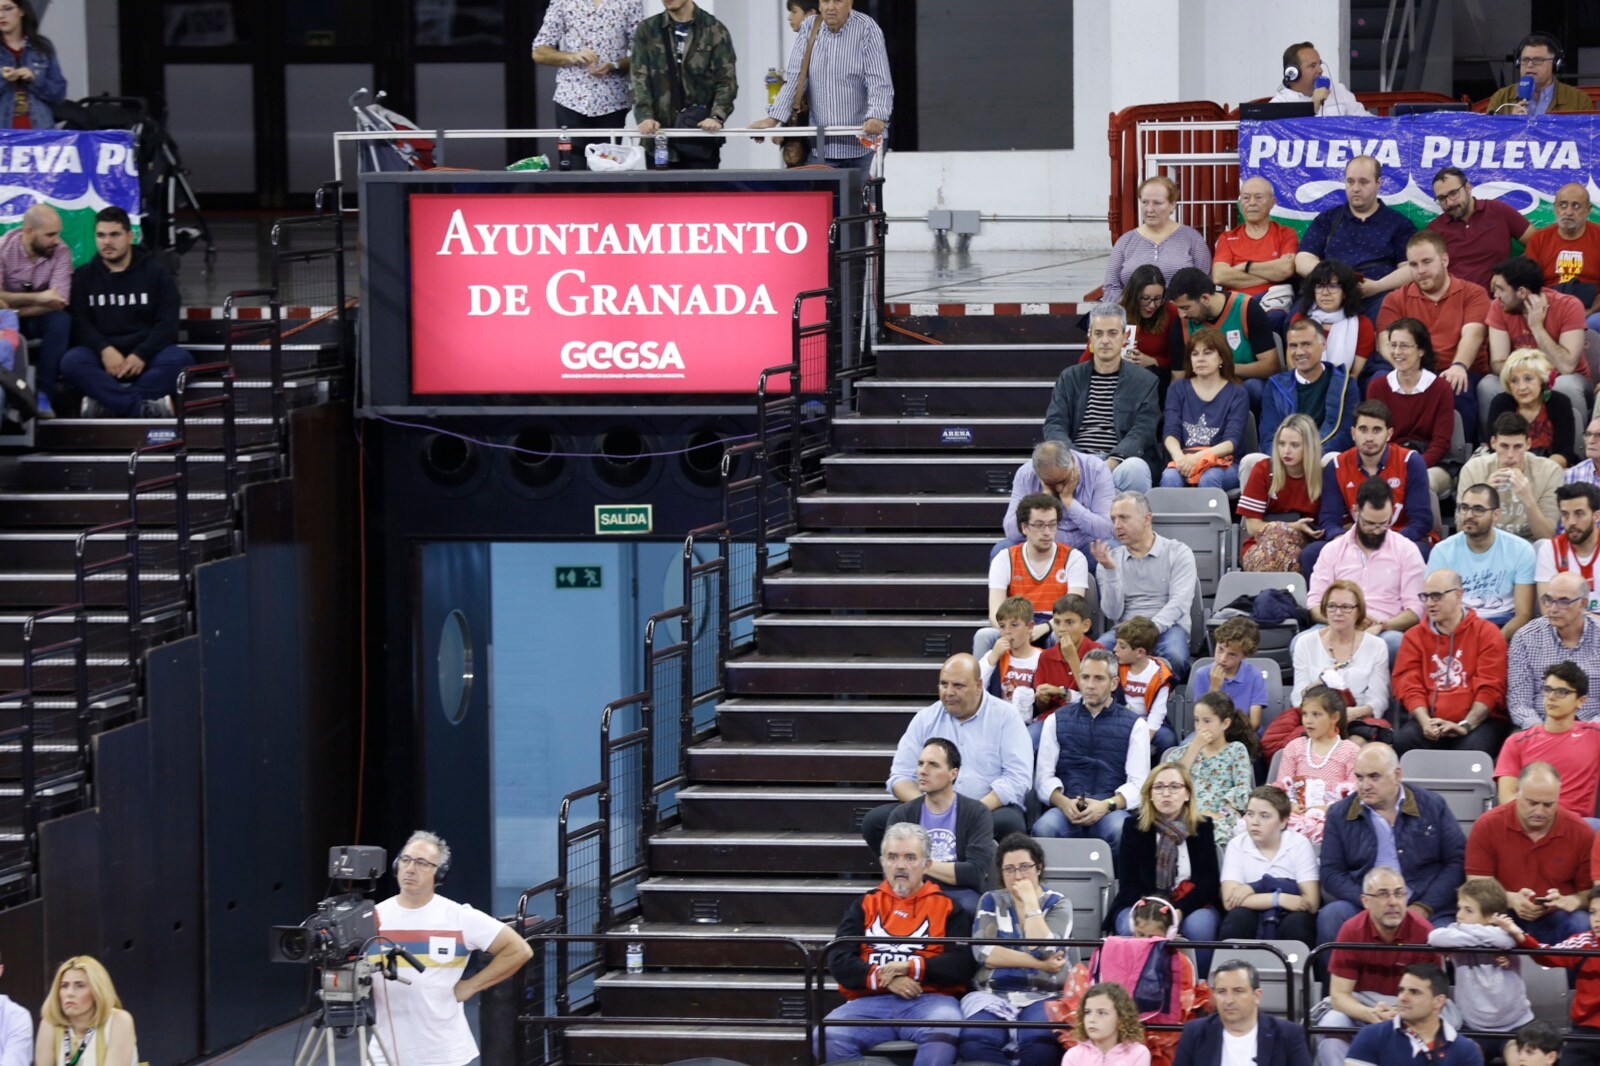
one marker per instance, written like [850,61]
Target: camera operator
[423,1023]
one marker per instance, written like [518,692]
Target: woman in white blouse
[1347,658]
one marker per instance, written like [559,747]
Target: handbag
[794,149]
[690,149]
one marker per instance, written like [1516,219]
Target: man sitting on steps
[961,829]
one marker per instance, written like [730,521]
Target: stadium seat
[1438,514]
[1277,695]
[1275,640]
[1464,779]
[1548,993]
[1092,594]
[1202,519]
[1080,870]
[1277,987]
[1249,444]
[1272,767]
[1591,348]
[1459,452]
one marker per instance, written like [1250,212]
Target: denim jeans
[1225,478]
[82,370]
[937,1046]
[1132,475]
[1035,1047]
[1053,823]
[53,331]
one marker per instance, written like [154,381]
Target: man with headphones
[424,1022]
[1302,67]
[1539,56]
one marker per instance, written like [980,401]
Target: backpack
[1140,964]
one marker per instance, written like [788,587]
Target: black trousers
[1487,738]
[1241,924]
[573,120]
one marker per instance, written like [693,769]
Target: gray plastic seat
[1081,870]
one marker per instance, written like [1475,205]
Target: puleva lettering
[622,355]
[1499,155]
[1314,154]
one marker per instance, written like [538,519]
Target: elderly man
[1524,314]
[1566,633]
[1451,675]
[1574,549]
[995,751]
[1526,482]
[1240,1027]
[1302,66]
[1477,233]
[1534,844]
[36,283]
[1107,406]
[1147,574]
[1497,569]
[960,829]
[1570,746]
[1387,566]
[1259,253]
[1585,471]
[1419,1032]
[1363,985]
[890,980]
[1387,823]
[1326,393]
[1539,57]
[847,82]
[1079,480]
[1364,232]
[1093,759]
[1569,250]
[1242,320]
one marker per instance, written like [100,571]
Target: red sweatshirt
[1586,992]
[1446,675]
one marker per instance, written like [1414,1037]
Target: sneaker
[46,412]
[93,409]
[160,407]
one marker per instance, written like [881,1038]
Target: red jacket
[1448,674]
[886,922]
[1586,990]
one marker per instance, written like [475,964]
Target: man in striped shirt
[847,82]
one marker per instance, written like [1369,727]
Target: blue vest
[1094,749]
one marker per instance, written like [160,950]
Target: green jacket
[709,69]
[1567,100]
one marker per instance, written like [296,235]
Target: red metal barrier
[1126,158]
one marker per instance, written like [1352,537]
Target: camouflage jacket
[708,69]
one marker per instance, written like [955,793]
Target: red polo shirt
[1236,247]
[1562,315]
[1463,302]
[1379,971]
[1499,848]
[1483,240]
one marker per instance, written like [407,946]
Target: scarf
[1342,331]
[1170,836]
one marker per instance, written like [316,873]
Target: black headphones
[440,872]
[1537,39]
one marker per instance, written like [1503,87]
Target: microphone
[1322,82]
[1525,87]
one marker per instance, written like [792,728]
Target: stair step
[708,995]
[711,851]
[930,361]
[893,636]
[786,591]
[930,475]
[976,396]
[653,1045]
[815,721]
[862,676]
[886,511]
[126,434]
[733,900]
[1013,433]
[805,808]
[724,947]
[41,589]
[253,397]
[56,550]
[718,759]
[891,553]
[74,472]
[82,509]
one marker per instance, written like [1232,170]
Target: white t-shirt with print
[422,1022]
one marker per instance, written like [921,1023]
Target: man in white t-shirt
[425,1023]
[1574,548]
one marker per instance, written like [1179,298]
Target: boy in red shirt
[1055,681]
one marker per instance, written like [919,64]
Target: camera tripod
[346,1009]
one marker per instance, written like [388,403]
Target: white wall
[66,23]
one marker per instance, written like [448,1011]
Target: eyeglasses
[1551,690]
[1329,286]
[1040,527]
[1535,61]
[411,860]
[1448,194]
[1388,893]
[1396,347]
[1371,527]
[1475,510]
[1340,607]
[1154,298]
[1169,786]
[1559,602]
[1591,436]
[1019,868]
[1435,597]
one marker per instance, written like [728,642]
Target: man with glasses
[1147,574]
[1364,986]
[1566,633]
[960,829]
[1477,233]
[1040,569]
[1364,232]
[1079,480]
[1535,843]
[1574,549]
[1258,253]
[1569,251]
[1388,567]
[1585,472]
[1539,56]
[425,1021]
[1107,406]
[1527,483]
[1242,320]
[1497,569]
[1451,675]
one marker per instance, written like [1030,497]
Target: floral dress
[1316,781]
[1222,783]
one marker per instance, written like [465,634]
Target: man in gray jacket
[1108,406]
[960,827]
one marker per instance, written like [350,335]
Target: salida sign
[618,292]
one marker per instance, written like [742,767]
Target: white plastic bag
[605,157]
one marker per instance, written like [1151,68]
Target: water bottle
[564,149]
[661,151]
[635,951]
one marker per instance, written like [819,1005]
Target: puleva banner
[613,292]
[1522,161]
[77,173]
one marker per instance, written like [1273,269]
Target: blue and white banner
[77,173]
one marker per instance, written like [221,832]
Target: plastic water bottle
[564,149]
[661,151]
[635,951]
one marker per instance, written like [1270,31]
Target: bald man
[1566,634]
[996,754]
[1534,843]
[1569,251]
[1451,674]
[1253,257]
[36,282]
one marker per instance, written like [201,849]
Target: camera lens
[293,944]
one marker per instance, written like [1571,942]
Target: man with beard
[1451,675]
[36,283]
[1569,251]
[1107,406]
[900,984]
[1527,483]
[1418,1032]
[1566,633]
[1389,568]
[1574,549]
[1240,318]
[1477,233]
[1497,569]
[1524,314]
[1373,456]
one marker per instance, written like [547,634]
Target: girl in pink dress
[1318,769]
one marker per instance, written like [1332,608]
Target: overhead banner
[609,292]
[77,173]
[1521,161]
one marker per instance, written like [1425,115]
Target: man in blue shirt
[1082,482]
[1418,1034]
[1497,569]
[1364,232]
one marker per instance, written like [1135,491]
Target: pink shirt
[1122,1055]
[1391,577]
[19,272]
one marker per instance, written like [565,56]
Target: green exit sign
[623,517]
[579,577]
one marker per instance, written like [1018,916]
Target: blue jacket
[1094,748]
[48,88]
[1427,839]
[1277,403]
[1278,1043]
